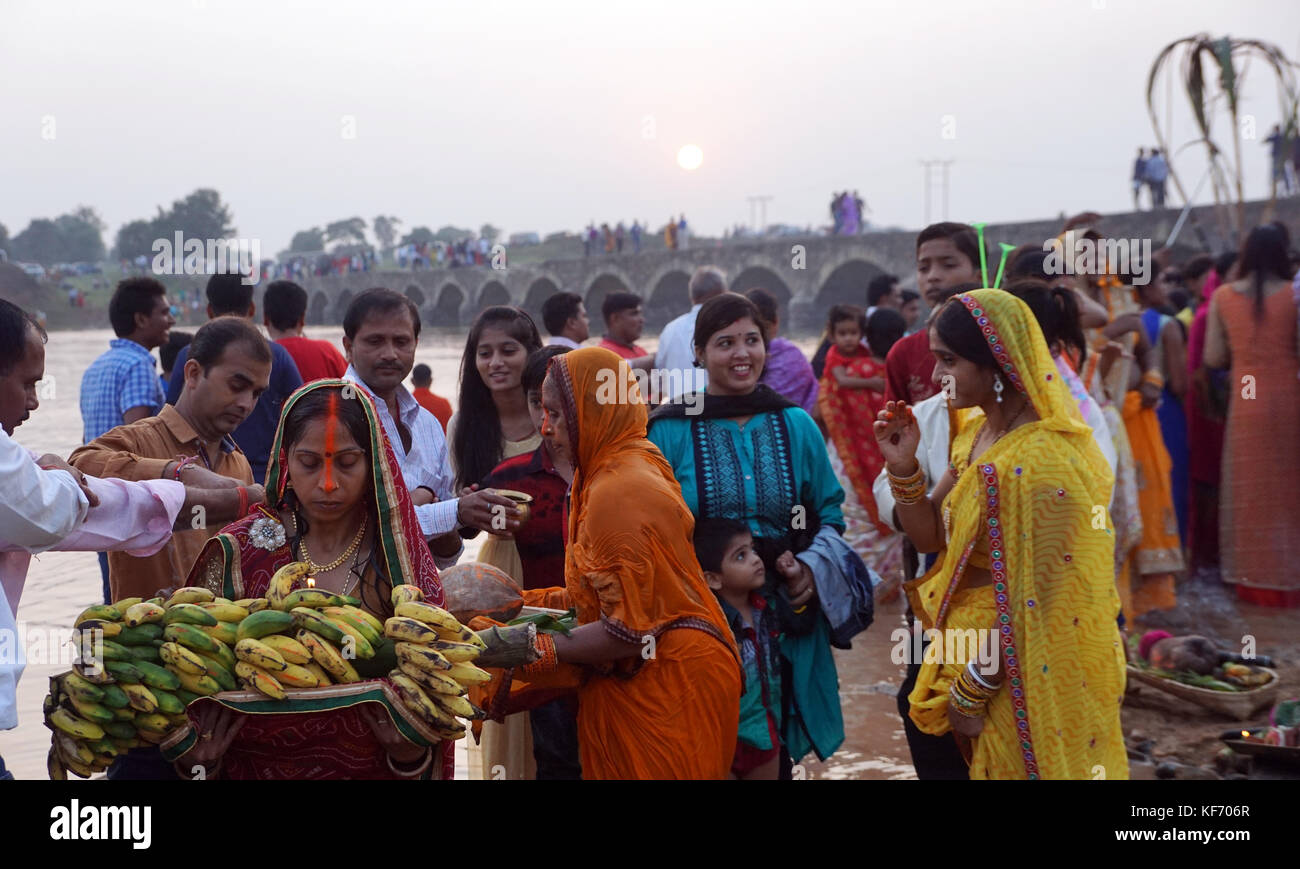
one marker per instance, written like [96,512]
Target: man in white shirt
[565,318]
[677,340]
[380,333]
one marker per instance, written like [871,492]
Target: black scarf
[761,400]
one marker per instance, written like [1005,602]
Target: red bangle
[243,501]
[180,465]
[549,661]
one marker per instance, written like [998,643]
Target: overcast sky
[542,115]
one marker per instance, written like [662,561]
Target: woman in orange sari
[661,694]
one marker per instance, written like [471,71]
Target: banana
[367,618]
[181,659]
[75,685]
[127,744]
[226,632]
[152,737]
[140,634]
[158,677]
[104,746]
[144,613]
[96,712]
[329,658]
[259,680]
[192,594]
[142,699]
[347,616]
[322,678]
[154,721]
[107,628]
[119,729]
[264,622]
[468,674]
[434,616]
[223,656]
[124,713]
[421,657]
[54,766]
[259,654]
[315,598]
[409,630]
[103,612]
[190,614]
[223,676]
[73,748]
[98,675]
[186,697]
[201,685]
[448,734]
[309,619]
[458,706]
[147,653]
[361,647]
[115,697]
[74,726]
[169,704]
[283,582]
[456,652]
[126,603]
[124,672]
[435,682]
[294,676]
[253,604]
[191,637]
[82,769]
[112,651]
[416,700]
[290,649]
[225,611]
[406,593]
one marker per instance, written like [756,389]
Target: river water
[61,584]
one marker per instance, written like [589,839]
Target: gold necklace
[347,553]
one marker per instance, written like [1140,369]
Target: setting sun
[690,157]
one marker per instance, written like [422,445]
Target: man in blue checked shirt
[122,385]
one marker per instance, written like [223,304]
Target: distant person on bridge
[284,314]
[229,295]
[1157,172]
[683,234]
[670,234]
[1139,177]
[636,237]
[677,341]
[565,318]
[624,322]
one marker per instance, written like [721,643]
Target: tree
[420,235]
[452,234]
[386,230]
[40,242]
[352,230]
[308,241]
[135,239]
[4,238]
[1221,55]
[201,215]
[82,235]
[490,232]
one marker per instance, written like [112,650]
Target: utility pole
[758,206]
[928,168]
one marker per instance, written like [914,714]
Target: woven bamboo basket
[1239,705]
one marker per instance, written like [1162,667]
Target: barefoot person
[1021,561]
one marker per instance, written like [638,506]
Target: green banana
[77,686]
[186,696]
[158,677]
[147,652]
[345,616]
[313,598]
[221,675]
[115,697]
[169,704]
[313,621]
[140,634]
[189,613]
[264,622]
[119,729]
[96,712]
[74,726]
[191,637]
[123,672]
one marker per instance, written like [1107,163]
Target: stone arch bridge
[806,274]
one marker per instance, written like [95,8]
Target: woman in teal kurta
[741,451]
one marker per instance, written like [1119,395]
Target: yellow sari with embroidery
[1033,510]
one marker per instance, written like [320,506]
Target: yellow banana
[409,630]
[54,766]
[88,626]
[182,660]
[315,598]
[144,613]
[203,685]
[85,770]
[126,603]
[361,646]
[99,611]
[226,612]
[405,593]
[325,654]
[74,726]
[344,615]
[418,702]
[290,649]
[155,721]
[458,706]
[190,594]
[190,614]
[253,604]
[142,699]
[73,748]
[294,676]
[259,654]
[434,683]
[367,618]
[284,580]
[74,685]
[434,616]
[420,657]
[468,674]
[455,652]
[448,734]
[259,680]
[227,632]
[322,678]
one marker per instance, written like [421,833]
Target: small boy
[735,572]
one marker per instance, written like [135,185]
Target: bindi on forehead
[331,438]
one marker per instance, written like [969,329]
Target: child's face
[742,570]
[940,265]
[912,312]
[847,336]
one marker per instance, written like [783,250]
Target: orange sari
[1150,585]
[673,711]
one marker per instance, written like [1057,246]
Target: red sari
[334,742]
[849,413]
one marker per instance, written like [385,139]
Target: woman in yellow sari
[1025,555]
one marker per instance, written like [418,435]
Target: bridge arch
[608,281]
[539,291]
[415,293]
[761,276]
[318,309]
[492,293]
[447,310]
[846,283]
[341,305]
[669,297]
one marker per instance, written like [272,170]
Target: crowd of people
[1150,172]
[611,240]
[846,213]
[1034,466]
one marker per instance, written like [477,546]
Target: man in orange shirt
[284,309]
[422,379]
